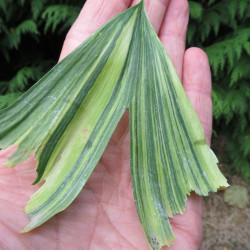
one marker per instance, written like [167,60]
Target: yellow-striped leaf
[68,117]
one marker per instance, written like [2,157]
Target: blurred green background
[32,34]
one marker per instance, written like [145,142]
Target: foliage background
[32,34]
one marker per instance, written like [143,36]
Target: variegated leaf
[68,117]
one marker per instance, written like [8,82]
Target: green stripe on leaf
[68,117]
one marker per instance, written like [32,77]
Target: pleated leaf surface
[68,117]
[169,154]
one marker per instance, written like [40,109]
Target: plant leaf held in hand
[68,117]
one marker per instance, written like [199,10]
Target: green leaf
[23,76]
[170,157]
[36,7]
[68,117]
[57,14]
[27,26]
[240,72]
[195,9]
[77,104]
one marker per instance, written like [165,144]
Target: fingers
[156,10]
[162,13]
[197,84]
[173,32]
[94,14]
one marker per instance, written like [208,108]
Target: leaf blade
[170,157]
[107,101]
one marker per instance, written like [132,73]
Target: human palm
[103,216]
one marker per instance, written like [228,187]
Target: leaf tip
[156,244]
[223,187]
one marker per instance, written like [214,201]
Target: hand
[104,215]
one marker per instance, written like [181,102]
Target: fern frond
[3,27]
[20,81]
[243,7]
[245,146]
[195,9]
[216,54]
[239,149]
[240,71]
[243,34]
[36,7]
[231,6]
[229,104]
[236,103]
[210,2]
[228,50]
[21,2]
[211,22]
[192,28]
[231,10]
[57,14]
[3,87]
[244,87]
[218,105]
[247,47]
[27,26]
[3,6]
